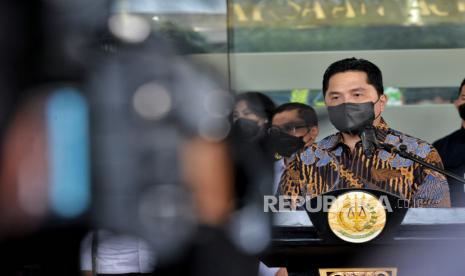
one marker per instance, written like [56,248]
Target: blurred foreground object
[147,130]
[165,167]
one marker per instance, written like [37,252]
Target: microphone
[369,142]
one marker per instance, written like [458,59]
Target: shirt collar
[335,140]
[382,125]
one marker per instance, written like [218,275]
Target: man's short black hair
[461,85]
[305,112]
[259,103]
[374,76]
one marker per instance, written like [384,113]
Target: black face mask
[462,111]
[285,144]
[247,130]
[352,117]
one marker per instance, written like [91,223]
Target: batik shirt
[330,165]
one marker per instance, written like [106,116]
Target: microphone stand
[402,151]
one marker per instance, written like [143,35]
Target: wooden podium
[428,242]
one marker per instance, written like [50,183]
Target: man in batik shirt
[353,91]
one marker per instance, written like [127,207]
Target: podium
[429,241]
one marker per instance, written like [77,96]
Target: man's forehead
[241,105]
[350,76]
[348,81]
[285,116]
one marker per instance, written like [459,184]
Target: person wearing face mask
[452,150]
[353,93]
[294,126]
[252,116]
[251,119]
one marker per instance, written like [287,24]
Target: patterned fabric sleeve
[434,189]
[291,184]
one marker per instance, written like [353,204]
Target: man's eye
[334,97]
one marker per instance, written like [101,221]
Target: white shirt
[117,254]
[279,168]
[263,270]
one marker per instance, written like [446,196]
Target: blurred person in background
[452,151]
[294,127]
[251,119]
[252,116]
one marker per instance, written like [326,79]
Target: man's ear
[310,137]
[383,99]
[314,132]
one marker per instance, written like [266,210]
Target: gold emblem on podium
[357,217]
[383,271]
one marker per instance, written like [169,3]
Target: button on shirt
[330,165]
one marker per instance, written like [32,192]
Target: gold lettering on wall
[424,9]
[315,12]
[294,6]
[363,8]
[316,9]
[239,13]
[347,8]
[435,10]
[257,13]
[380,10]
[461,6]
